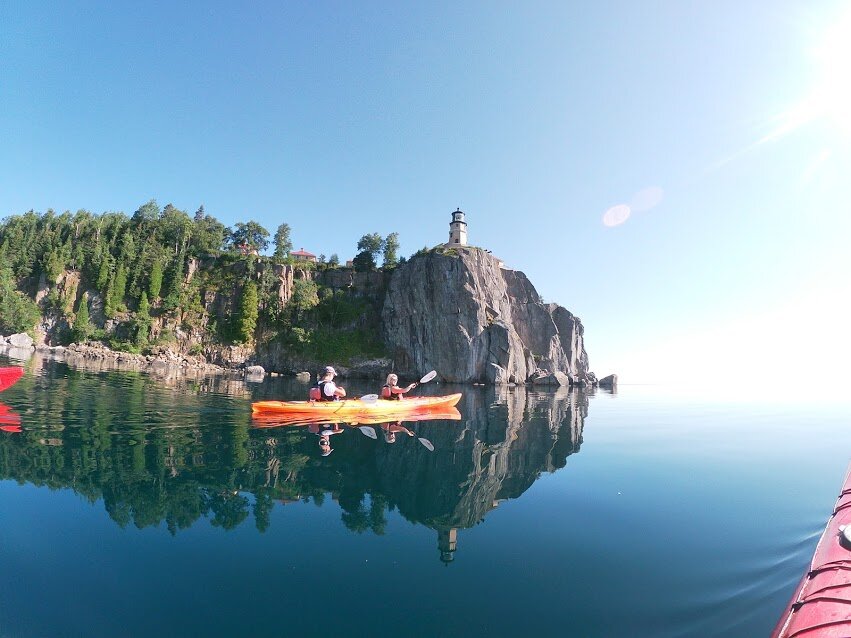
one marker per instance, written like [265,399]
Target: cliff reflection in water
[174,455]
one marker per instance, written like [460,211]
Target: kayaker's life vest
[322,396]
[387,393]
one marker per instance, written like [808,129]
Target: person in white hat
[328,390]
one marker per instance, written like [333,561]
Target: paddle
[428,377]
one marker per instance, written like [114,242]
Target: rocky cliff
[461,312]
[458,311]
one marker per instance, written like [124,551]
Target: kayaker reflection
[389,431]
[391,389]
[328,390]
[325,432]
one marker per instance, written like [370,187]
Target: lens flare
[616,215]
[646,199]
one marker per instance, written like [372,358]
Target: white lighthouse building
[457,229]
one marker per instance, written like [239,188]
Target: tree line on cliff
[137,270]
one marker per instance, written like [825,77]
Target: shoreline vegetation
[163,286]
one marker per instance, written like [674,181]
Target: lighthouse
[457,229]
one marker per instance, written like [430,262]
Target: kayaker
[328,390]
[390,429]
[391,390]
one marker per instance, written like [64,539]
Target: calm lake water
[137,506]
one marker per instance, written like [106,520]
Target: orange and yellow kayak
[355,409]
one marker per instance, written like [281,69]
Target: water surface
[135,506]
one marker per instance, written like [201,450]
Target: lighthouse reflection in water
[170,453]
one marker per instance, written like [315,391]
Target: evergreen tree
[103,272]
[391,250]
[119,287]
[144,309]
[248,313]
[108,306]
[143,321]
[82,324]
[283,245]
[18,313]
[172,297]
[156,282]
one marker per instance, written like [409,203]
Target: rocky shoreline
[97,355]
[167,362]
[163,361]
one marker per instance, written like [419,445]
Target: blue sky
[726,126]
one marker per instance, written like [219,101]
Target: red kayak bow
[9,376]
[821,604]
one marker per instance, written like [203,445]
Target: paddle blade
[9,376]
[370,432]
[431,375]
[426,444]
[369,398]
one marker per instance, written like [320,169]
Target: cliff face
[461,313]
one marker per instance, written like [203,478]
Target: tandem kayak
[355,408]
[9,376]
[821,604]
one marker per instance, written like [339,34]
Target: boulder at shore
[609,383]
[21,340]
[460,312]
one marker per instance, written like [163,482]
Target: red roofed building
[302,255]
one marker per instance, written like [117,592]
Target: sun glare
[832,96]
[829,100]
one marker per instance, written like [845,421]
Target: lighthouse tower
[457,229]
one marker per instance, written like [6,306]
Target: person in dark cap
[328,390]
